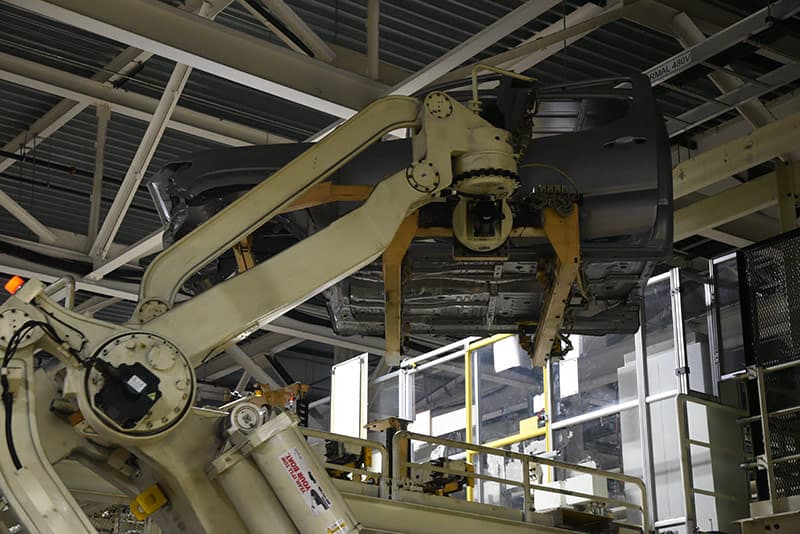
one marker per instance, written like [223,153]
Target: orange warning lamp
[13,285]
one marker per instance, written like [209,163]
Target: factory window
[599,372]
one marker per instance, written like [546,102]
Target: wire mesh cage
[769,275]
[770,293]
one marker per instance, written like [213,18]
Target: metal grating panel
[769,275]
[787,475]
[770,294]
[784,431]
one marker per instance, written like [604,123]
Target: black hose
[7,396]
[8,402]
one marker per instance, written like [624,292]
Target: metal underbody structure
[120,398]
[600,143]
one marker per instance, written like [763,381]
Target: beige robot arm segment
[268,290]
[167,273]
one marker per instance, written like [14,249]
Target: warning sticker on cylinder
[304,481]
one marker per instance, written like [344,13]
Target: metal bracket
[564,235]
[393,286]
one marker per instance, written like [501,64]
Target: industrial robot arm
[134,385]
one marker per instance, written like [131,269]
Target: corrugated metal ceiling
[413,33]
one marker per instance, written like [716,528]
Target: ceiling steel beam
[190,40]
[25,217]
[437,70]
[115,70]
[103,113]
[712,17]
[141,161]
[42,128]
[62,113]
[14,266]
[270,343]
[738,155]
[286,16]
[66,110]
[94,304]
[539,42]
[245,361]
[354,61]
[688,34]
[149,245]
[325,335]
[67,85]
[729,205]
[657,16]
[721,41]
[580,15]
[724,237]
[735,97]
[472,46]
[69,245]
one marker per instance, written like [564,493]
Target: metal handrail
[455,346]
[777,413]
[782,459]
[399,463]
[781,366]
[684,448]
[382,475]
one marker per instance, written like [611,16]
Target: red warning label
[311,491]
[296,473]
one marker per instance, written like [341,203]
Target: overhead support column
[141,160]
[103,113]
[373,41]
[393,258]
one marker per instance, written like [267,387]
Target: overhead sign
[678,63]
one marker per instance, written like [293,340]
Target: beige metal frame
[528,462]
